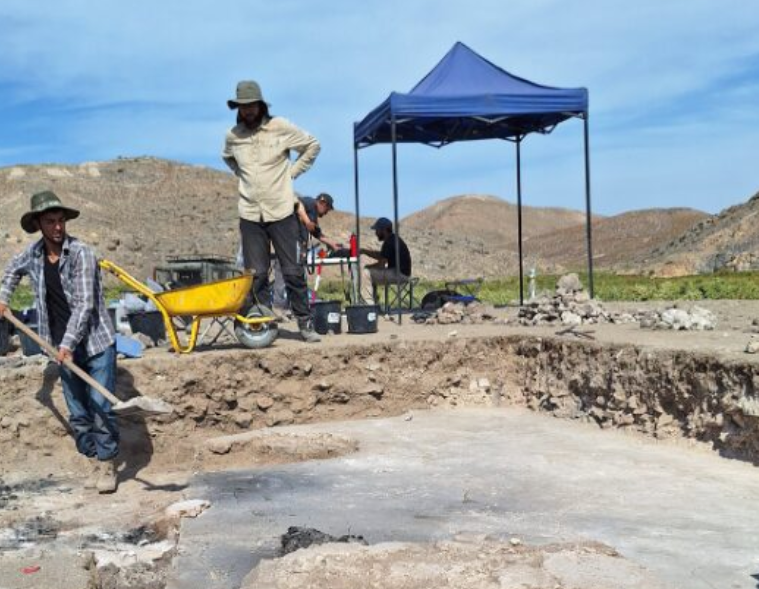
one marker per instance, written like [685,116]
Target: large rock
[569,283]
[697,319]
[469,561]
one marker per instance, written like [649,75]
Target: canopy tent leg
[358,218]
[588,225]
[519,220]
[395,215]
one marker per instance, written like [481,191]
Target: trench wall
[665,394]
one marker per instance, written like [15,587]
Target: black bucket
[150,323]
[327,317]
[362,318]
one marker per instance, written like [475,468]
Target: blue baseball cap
[382,223]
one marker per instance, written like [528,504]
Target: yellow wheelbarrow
[255,325]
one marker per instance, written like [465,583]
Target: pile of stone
[466,313]
[695,319]
[569,305]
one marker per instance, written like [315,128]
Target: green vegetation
[23,296]
[608,287]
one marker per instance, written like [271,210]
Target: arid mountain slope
[138,211]
[492,219]
[134,211]
[729,240]
[617,240]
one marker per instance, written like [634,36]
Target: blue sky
[674,90]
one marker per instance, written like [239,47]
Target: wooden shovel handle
[53,353]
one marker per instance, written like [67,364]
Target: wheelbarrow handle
[53,353]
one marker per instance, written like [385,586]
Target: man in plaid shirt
[72,316]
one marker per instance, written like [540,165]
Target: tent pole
[395,215]
[357,298]
[588,225]
[519,219]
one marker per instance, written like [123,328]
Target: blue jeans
[94,425]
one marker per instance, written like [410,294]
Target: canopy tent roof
[466,97]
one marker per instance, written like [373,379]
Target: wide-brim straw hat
[41,202]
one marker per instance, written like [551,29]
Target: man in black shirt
[384,270]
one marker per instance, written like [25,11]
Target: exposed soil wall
[661,393]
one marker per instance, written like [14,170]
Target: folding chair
[392,300]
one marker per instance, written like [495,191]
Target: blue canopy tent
[465,98]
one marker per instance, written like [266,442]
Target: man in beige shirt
[257,149]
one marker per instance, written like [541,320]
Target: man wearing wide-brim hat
[257,149]
[73,318]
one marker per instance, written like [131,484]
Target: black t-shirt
[58,310]
[388,252]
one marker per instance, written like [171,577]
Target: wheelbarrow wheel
[257,335]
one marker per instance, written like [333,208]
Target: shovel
[142,406]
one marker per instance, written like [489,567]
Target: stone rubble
[677,319]
[473,313]
[569,305]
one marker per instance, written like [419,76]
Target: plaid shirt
[89,324]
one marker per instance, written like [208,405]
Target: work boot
[307,332]
[91,482]
[108,479]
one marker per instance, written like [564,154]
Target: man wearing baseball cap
[257,150]
[73,318]
[384,270]
[309,211]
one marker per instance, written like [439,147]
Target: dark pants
[90,417]
[257,239]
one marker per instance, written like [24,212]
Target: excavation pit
[320,427]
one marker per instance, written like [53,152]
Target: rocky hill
[134,211]
[139,211]
[727,241]
[492,219]
[619,242]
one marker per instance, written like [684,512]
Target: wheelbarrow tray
[222,297]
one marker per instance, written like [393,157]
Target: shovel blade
[143,406]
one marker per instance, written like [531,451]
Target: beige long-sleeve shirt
[260,158]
